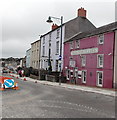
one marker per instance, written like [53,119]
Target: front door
[99,78]
[76,75]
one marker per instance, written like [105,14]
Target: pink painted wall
[91,59]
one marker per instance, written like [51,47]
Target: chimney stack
[82,12]
[54,26]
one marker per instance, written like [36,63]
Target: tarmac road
[35,100]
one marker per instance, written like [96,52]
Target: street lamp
[60,56]
[49,61]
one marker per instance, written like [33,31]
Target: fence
[50,78]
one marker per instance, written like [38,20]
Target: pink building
[90,57]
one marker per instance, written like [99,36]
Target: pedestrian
[20,74]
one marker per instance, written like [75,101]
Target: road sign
[9,83]
[60,57]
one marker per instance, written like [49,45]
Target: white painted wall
[54,56]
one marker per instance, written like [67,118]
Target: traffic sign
[9,83]
[60,57]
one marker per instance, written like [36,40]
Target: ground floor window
[56,65]
[76,72]
[71,73]
[99,78]
[41,63]
[84,76]
[76,75]
[68,74]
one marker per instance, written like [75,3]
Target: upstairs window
[101,39]
[72,62]
[71,45]
[100,60]
[57,47]
[43,51]
[44,40]
[83,60]
[58,33]
[77,44]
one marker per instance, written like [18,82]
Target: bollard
[16,86]
[25,79]
[35,81]
[2,87]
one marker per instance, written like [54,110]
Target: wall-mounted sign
[84,51]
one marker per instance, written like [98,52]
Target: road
[35,100]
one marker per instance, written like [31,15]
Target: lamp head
[49,20]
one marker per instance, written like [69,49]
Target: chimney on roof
[54,26]
[82,12]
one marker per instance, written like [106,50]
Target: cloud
[24,20]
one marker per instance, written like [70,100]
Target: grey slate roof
[35,41]
[97,31]
[77,25]
[74,26]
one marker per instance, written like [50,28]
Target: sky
[23,21]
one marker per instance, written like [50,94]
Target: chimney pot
[54,26]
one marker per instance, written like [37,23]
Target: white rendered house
[52,39]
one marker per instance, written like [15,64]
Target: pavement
[109,92]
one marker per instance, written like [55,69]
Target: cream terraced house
[35,54]
[28,54]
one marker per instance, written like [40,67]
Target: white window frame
[57,63]
[83,60]
[57,47]
[72,63]
[84,81]
[98,81]
[71,71]
[98,61]
[43,54]
[77,44]
[44,40]
[68,74]
[57,33]
[101,39]
[71,45]
[76,72]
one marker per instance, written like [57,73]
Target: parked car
[4,71]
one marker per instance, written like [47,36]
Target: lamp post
[39,58]
[60,55]
[49,61]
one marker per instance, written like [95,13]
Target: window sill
[100,67]
[84,66]
[101,43]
